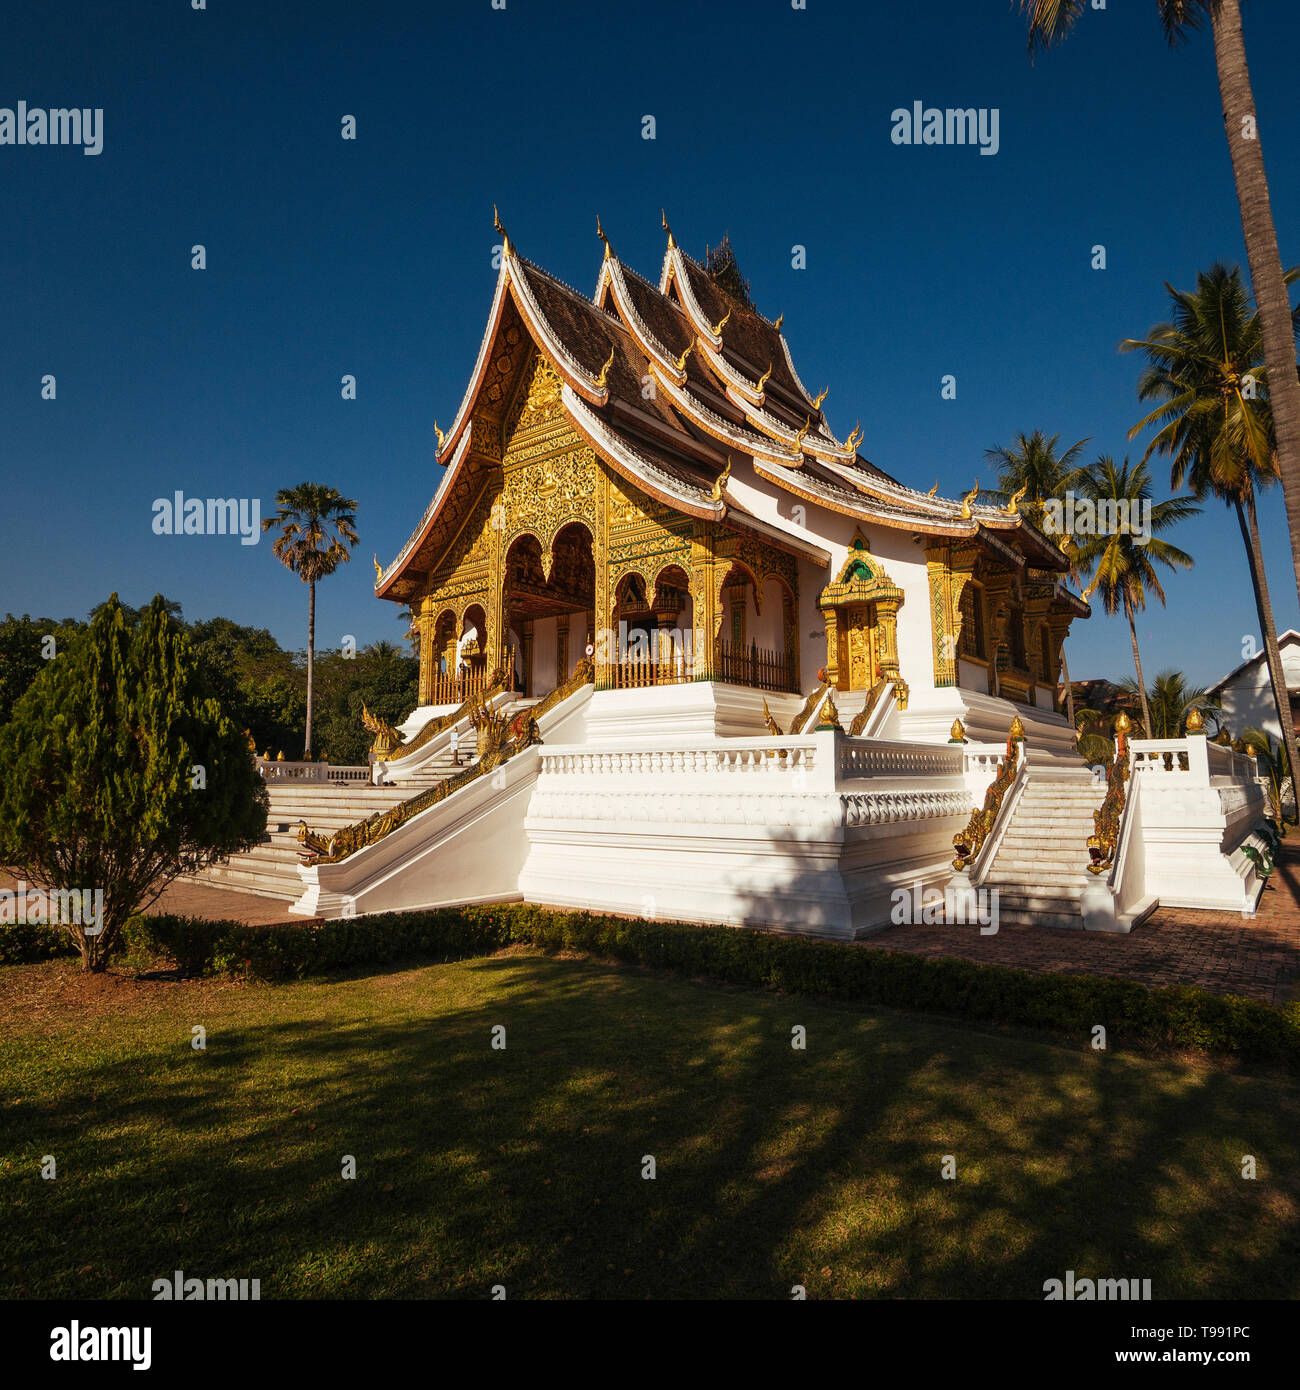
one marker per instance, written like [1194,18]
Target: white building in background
[1247,692]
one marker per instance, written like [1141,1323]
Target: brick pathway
[1220,951]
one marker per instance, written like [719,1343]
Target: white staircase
[1040,867]
[271,868]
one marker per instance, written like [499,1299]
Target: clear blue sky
[372,257]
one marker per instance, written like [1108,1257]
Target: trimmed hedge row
[1180,1015]
[1183,1016]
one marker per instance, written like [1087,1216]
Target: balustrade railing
[456,689]
[754,666]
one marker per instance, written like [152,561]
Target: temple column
[887,630]
[704,601]
[428,657]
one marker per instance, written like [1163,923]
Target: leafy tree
[1276,765]
[317,530]
[381,677]
[1049,22]
[25,648]
[1169,701]
[1124,569]
[1206,368]
[119,772]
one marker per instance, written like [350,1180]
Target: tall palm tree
[1206,368]
[1049,22]
[317,531]
[1033,463]
[1170,700]
[1123,567]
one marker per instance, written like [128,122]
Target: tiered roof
[724,383]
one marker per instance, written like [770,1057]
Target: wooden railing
[455,690]
[756,666]
[636,672]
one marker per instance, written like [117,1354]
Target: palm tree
[1206,367]
[316,533]
[1034,465]
[1277,764]
[1049,22]
[1170,700]
[1124,567]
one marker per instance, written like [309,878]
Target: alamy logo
[930,125]
[179,515]
[1100,1290]
[65,907]
[1106,516]
[77,1343]
[179,1288]
[61,125]
[953,906]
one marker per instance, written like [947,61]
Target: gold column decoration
[428,671]
[704,600]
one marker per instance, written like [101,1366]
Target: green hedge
[24,942]
[1182,1016]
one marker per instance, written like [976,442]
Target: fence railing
[454,690]
[281,770]
[756,666]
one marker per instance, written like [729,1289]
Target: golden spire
[968,499]
[1010,508]
[721,481]
[934,489]
[778,323]
[817,404]
[799,438]
[501,231]
[379,569]
[667,228]
[717,328]
[854,439]
[762,381]
[681,361]
[600,232]
[603,378]
[442,438]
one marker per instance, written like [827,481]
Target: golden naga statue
[387,739]
[442,436]
[772,726]
[681,361]
[763,380]
[717,328]
[603,378]
[817,404]
[968,499]
[1013,504]
[379,569]
[829,717]
[855,438]
[721,481]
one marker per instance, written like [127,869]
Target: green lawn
[523,1167]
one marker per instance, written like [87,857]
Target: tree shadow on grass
[523,1166]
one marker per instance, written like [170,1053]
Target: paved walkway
[1220,951]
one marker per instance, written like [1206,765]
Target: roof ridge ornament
[799,438]
[780,320]
[496,223]
[442,436]
[671,241]
[379,569]
[721,481]
[968,499]
[600,232]
[854,439]
[817,404]
[1010,508]
[603,378]
[681,361]
[934,489]
[717,328]
[762,381]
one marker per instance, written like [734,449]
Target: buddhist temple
[687,653]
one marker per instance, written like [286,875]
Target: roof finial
[854,439]
[934,489]
[667,228]
[603,378]
[817,404]
[600,232]
[501,231]
[778,323]
[799,438]
[721,481]
[968,499]
[442,438]
[681,361]
[717,328]
[762,381]
[1015,498]
[379,569]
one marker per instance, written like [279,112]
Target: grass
[523,1167]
